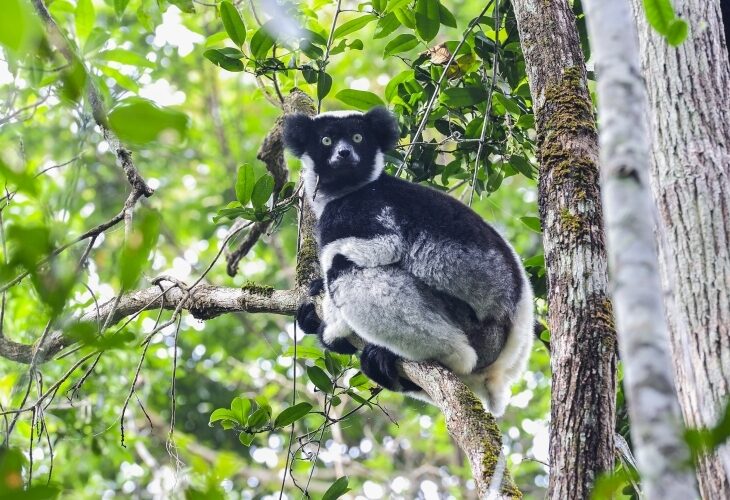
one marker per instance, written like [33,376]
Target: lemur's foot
[308,320]
[379,364]
[340,346]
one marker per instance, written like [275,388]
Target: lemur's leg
[379,364]
[387,306]
[333,323]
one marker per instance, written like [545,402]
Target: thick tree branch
[204,302]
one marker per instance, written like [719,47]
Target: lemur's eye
[326,141]
[357,138]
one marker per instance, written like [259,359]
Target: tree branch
[204,302]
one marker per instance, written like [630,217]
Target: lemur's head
[341,149]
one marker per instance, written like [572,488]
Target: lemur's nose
[344,153]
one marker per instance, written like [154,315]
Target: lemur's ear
[297,130]
[384,126]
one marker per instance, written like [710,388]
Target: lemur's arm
[380,250]
[333,330]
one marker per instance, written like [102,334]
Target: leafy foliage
[188,88]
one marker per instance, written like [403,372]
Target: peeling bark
[689,91]
[637,294]
[580,317]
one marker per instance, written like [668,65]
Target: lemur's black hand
[316,286]
[379,364]
[307,319]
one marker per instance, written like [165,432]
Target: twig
[488,108]
[330,38]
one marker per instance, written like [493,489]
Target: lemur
[412,271]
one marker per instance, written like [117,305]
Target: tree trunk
[636,287]
[689,92]
[583,339]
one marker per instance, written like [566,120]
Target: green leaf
[386,25]
[184,5]
[120,6]
[428,19]
[262,191]
[84,18]
[222,414]
[261,42]
[96,40]
[353,25]
[508,103]
[220,59]
[19,25]
[532,222]
[358,380]
[360,99]
[138,244]
[240,409]
[245,182]
[215,39]
[233,23]
[140,121]
[396,4]
[459,97]
[406,17]
[337,489]
[522,165]
[446,17]
[292,414]
[319,378]
[121,79]
[246,438]
[401,43]
[324,85]
[125,56]
[391,90]
[304,352]
[660,14]
[258,419]
[535,261]
[677,32]
[379,5]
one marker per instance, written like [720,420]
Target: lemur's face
[342,148]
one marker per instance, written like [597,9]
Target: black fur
[311,324]
[340,265]
[380,365]
[316,286]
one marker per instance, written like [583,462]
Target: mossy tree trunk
[689,91]
[583,339]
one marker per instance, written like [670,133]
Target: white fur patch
[346,146]
[371,252]
[340,113]
[335,325]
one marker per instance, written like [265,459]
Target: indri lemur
[412,271]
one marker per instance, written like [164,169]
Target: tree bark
[636,287]
[689,90]
[583,339]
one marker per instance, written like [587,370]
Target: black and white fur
[410,270]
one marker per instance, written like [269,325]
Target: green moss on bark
[265,290]
[307,264]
